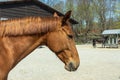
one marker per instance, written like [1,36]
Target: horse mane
[28,26]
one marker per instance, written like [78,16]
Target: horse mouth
[70,67]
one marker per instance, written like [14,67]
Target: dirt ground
[96,64]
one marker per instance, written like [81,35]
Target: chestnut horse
[19,37]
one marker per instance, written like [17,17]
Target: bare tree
[101,10]
[59,6]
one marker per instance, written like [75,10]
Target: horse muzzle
[71,66]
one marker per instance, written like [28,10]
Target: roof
[112,31]
[38,3]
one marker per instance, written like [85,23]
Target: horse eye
[70,36]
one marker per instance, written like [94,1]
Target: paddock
[96,64]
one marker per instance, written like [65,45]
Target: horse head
[61,42]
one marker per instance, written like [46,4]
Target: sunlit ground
[96,64]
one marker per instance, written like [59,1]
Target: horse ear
[55,15]
[66,17]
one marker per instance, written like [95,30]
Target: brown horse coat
[19,37]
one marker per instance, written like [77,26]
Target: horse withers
[19,37]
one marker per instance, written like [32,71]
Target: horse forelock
[28,26]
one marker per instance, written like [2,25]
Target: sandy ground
[96,64]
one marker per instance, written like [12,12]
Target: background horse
[19,37]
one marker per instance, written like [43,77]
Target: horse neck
[24,45]
[14,49]
[23,40]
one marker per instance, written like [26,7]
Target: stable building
[23,8]
[112,39]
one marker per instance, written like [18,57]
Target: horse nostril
[72,67]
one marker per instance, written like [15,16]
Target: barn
[23,8]
[113,36]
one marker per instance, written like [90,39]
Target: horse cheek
[53,43]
